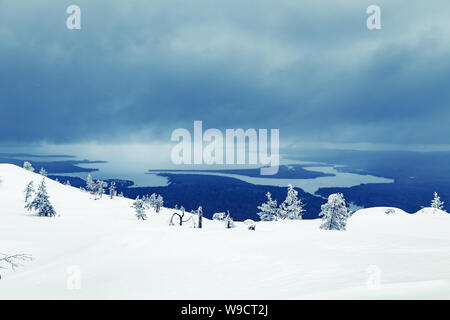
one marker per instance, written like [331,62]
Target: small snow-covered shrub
[219,216]
[251,225]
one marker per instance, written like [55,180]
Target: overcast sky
[137,70]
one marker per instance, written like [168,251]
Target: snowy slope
[379,256]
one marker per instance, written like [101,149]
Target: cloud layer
[137,70]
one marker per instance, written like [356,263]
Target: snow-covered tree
[112,190]
[43,172]
[29,191]
[200,217]
[27,166]
[219,216]
[292,208]
[159,203]
[100,187]
[436,203]
[229,223]
[41,202]
[67,183]
[154,201]
[139,206]
[90,184]
[120,195]
[180,217]
[268,210]
[334,213]
[149,200]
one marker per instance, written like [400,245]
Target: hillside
[379,256]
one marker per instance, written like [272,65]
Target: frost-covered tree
[229,223]
[67,183]
[43,172]
[112,190]
[154,201]
[268,210]
[292,208]
[150,200]
[41,202]
[200,217]
[139,206]
[29,191]
[27,166]
[159,203]
[219,216]
[90,184]
[100,187]
[334,212]
[436,203]
[180,217]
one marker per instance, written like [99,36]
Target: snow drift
[98,249]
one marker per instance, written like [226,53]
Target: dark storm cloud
[138,70]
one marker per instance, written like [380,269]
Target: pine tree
[334,213]
[41,202]
[268,210]
[67,183]
[112,190]
[28,166]
[292,208]
[436,203]
[29,191]
[139,206]
[43,172]
[90,184]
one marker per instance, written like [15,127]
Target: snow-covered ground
[100,245]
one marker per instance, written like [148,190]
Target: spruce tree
[436,203]
[29,191]
[41,202]
[139,206]
[268,210]
[292,208]
[334,213]
[43,172]
[112,190]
